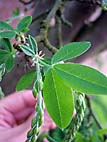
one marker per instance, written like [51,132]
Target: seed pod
[34,92]
[33,139]
[41,85]
[34,121]
[41,117]
[30,133]
[38,85]
[37,130]
[41,121]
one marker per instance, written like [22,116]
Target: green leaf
[5,26]
[3,53]
[47,61]
[7,58]
[82,78]
[102,131]
[24,23]
[6,31]
[3,56]
[7,34]
[79,137]
[33,44]
[25,30]
[26,80]
[27,50]
[58,99]
[70,51]
[6,44]
[9,62]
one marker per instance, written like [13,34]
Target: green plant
[56,82]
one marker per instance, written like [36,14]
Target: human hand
[16,112]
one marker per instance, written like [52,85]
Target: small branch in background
[43,37]
[45,26]
[56,11]
[60,14]
[91,113]
[53,11]
[49,45]
[59,32]
[40,15]
[65,22]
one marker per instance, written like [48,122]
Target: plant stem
[59,31]
[53,11]
[91,113]
[41,15]
[43,37]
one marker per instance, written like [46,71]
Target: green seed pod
[30,133]
[34,92]
[38,85]
[41,117]
[34,121]
[41,85]
[41,121]
[36,131]
[33,139]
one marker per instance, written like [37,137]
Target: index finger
[18,101]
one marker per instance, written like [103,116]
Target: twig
[53,11]
[40,15]
[57,11]
[65,22]
[59,31]
[46,24]
[49,45]
[43,37]
[91,113]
